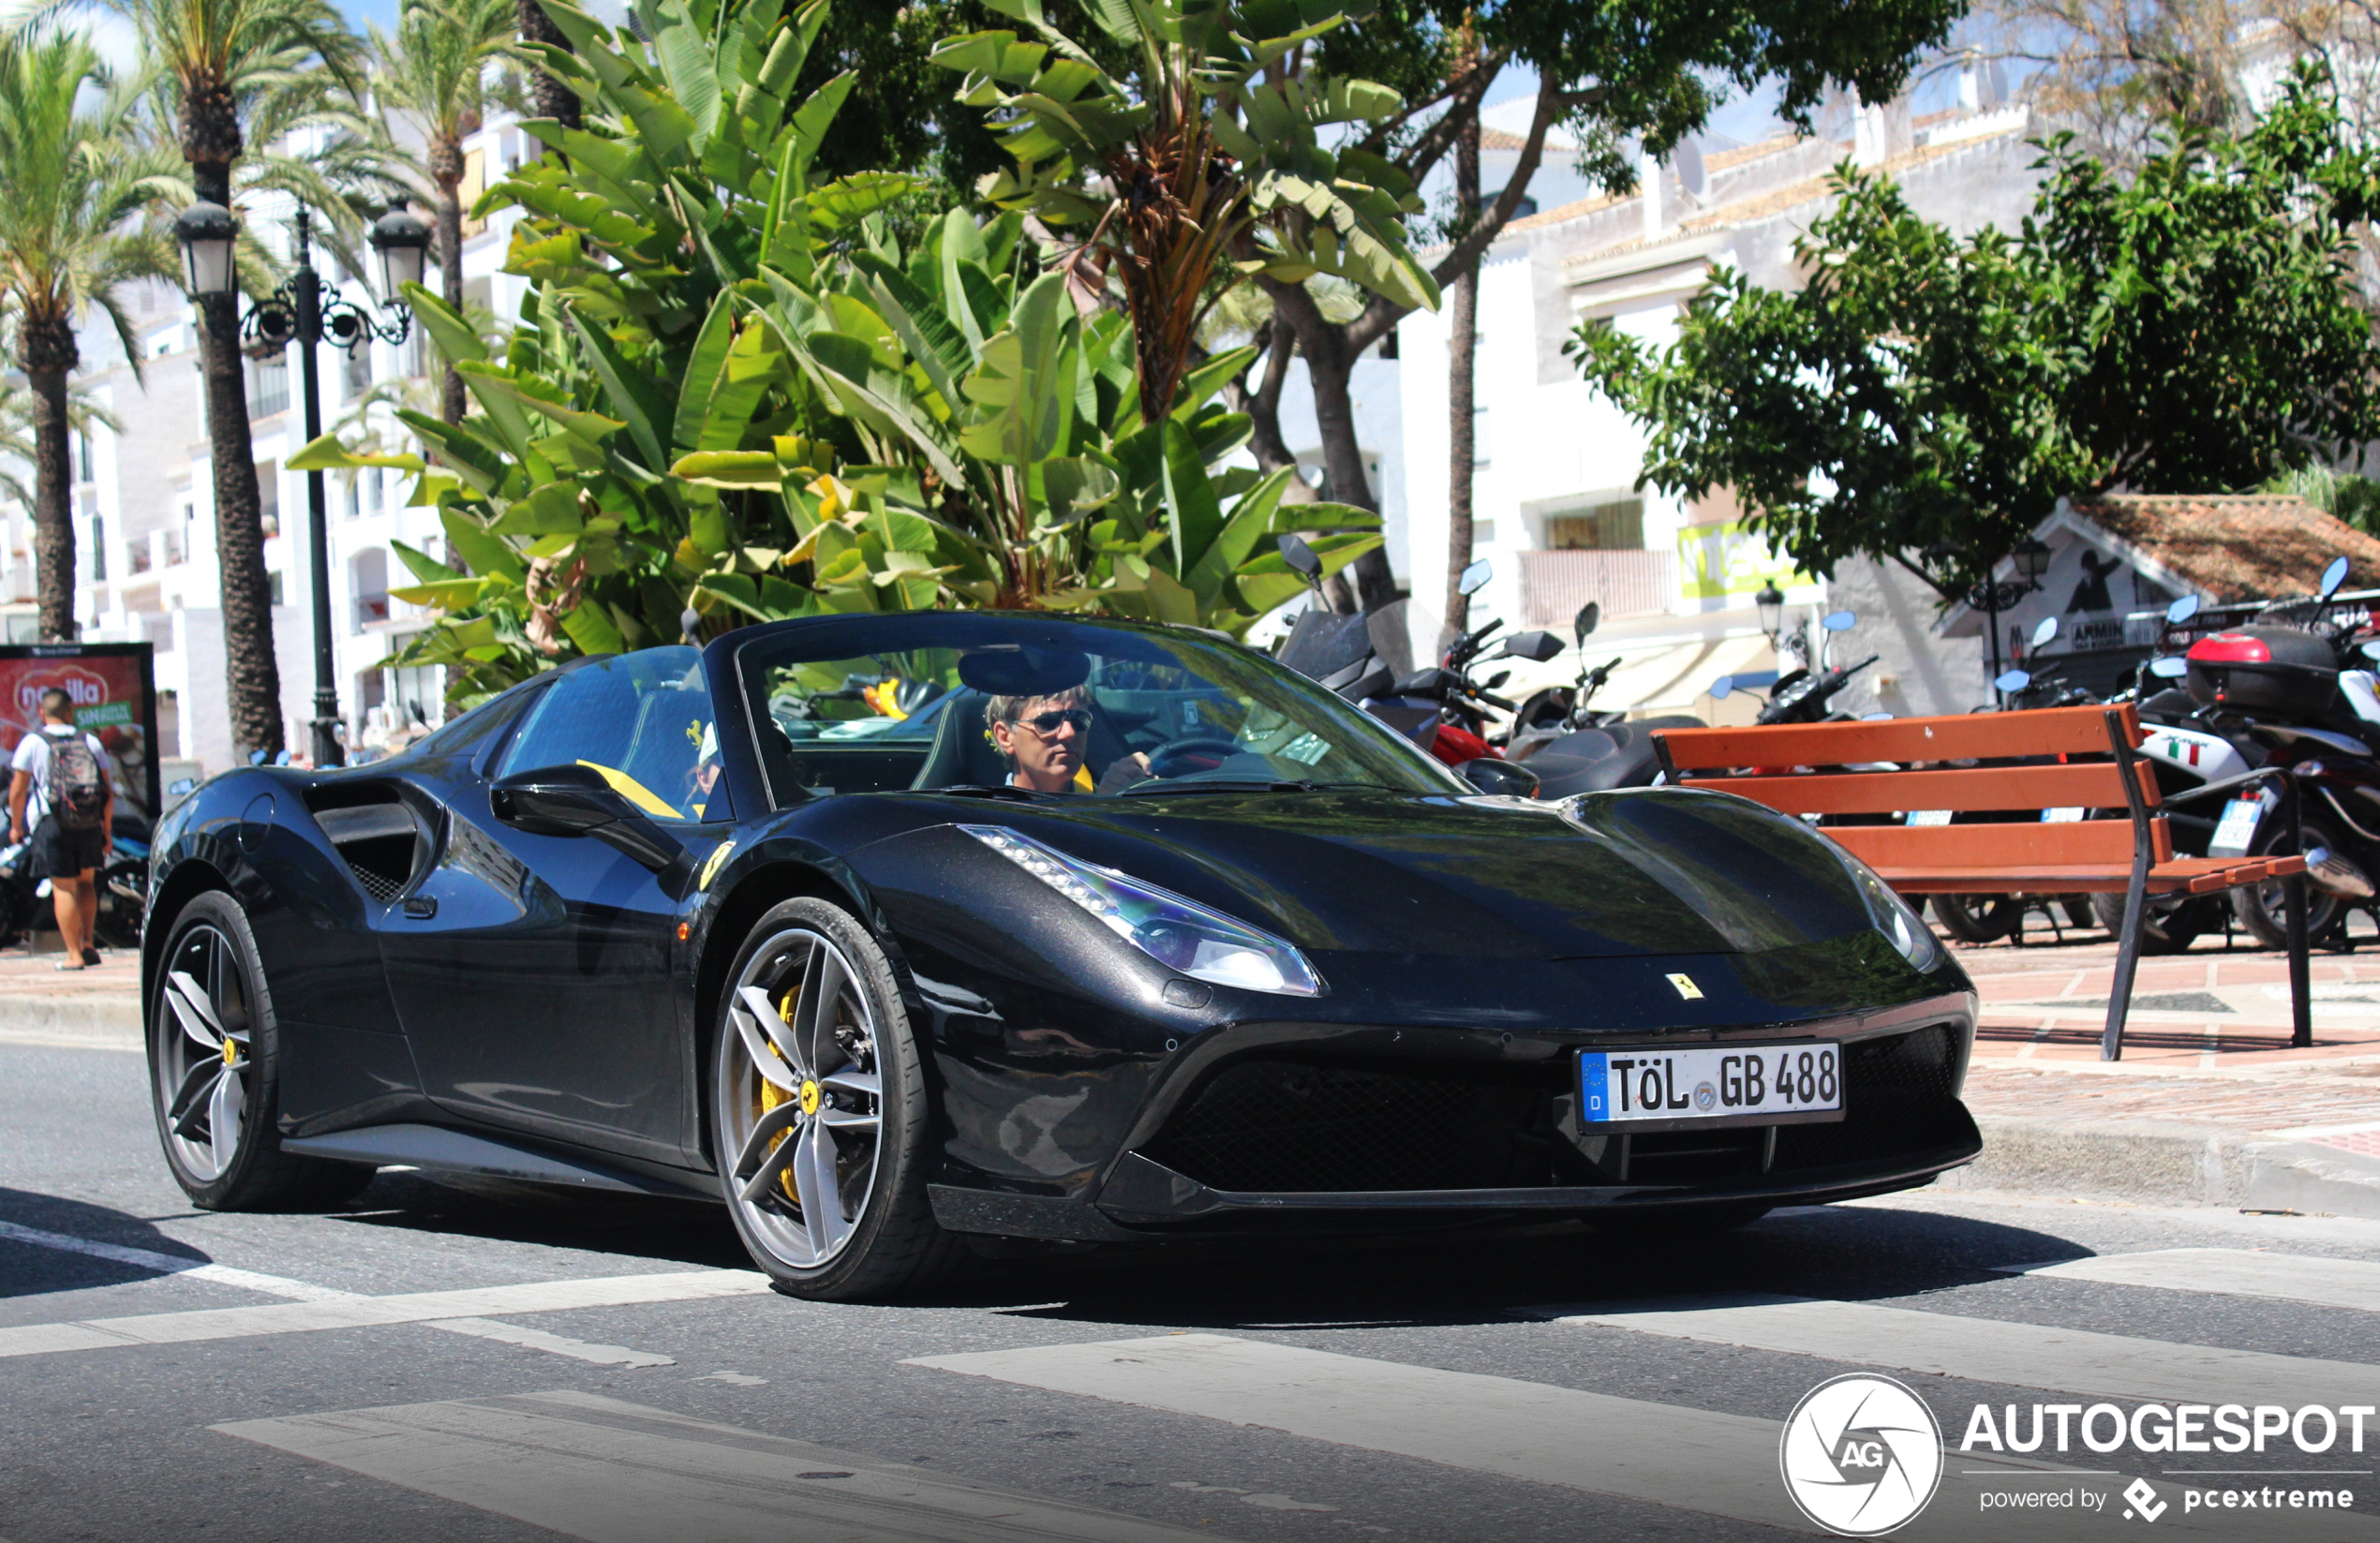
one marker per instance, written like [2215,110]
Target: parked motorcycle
[1803,694]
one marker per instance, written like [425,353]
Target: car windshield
[1035,705]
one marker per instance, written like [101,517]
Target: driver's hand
[1123,772]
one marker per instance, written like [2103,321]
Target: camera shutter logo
[1861,1455]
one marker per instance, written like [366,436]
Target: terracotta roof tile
[2235,547]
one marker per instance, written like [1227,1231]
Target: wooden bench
[2052,758]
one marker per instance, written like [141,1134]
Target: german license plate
[1742,1084]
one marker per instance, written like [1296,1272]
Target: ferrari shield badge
[1686,988]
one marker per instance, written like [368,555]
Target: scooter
[1801,694]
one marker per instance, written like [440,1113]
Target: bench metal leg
[2293,891]
[2111,1043]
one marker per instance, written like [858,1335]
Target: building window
[136,555]
[1389,344]
[268,387]
[98,550]
[357,371]
[85,467]
[272,583]
[1481,442]
[355,495]
[1614,526]
[370,478]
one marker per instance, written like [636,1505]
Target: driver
[1042,738]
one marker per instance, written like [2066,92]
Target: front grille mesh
[1895,1092]
[1291,1127]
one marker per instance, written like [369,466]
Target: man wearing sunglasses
[1042,739]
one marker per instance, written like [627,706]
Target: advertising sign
[1727,561]
[114,689]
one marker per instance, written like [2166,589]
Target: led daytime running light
[1178,933]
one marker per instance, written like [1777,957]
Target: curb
[98,1020]
[2169,1162]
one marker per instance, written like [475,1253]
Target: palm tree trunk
[553,98]
[48,356]
[1462,382]
[446,170]
[252,684]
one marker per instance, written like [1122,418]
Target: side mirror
[2173,667]
[1723,688]
[1499,778]
[1496,680]
[2182,610]
[2047,630]
[1839,621]
[1300,559]
[576,800]
[2334,576]
[1589,616]
[1537,647]
[2013,681]
[1474,578]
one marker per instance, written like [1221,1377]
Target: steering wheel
[1189,757]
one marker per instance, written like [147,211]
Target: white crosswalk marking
[170,1264]
[347,1312]
[2228,1272]
[2013,1355]
[1687,1459]
[608,1472]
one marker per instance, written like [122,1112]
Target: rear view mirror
[1537,647]
[1300,559]
[576,800]
[1839,621]
[2047,630]
[1499,778]
[2182,610]
[1496,680]
[2013,681]
[2173,667]
[1474,578]
[1589,616]
[1723,688]
[2333,576]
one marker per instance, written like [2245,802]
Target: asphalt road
[1428,1389]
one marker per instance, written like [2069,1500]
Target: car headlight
[1894,917]
[1178,933]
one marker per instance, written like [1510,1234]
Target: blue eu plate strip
[1594,1086]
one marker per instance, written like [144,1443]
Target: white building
[144,506]
[1557,509]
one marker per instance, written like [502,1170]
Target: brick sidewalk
[2206,1044]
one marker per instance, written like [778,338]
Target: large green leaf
[1026,380]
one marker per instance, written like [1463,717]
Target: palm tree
[229,68]
[73,188]
[435,73]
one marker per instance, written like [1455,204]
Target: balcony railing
[1553,584]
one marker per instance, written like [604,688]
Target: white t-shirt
[33,756]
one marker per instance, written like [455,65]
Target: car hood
[1638,873]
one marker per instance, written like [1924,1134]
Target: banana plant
[1205,160]
[1019,423]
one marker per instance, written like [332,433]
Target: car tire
[1662,1224]
[822,1104]
[1978,918]
[215,1108]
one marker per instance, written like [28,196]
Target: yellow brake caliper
[771,1096]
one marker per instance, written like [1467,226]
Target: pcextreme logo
[1861,1455]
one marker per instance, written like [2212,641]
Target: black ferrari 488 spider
[893,932]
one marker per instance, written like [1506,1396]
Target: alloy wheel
[205,1068]
[802,1100]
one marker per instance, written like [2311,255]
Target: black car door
[536,974]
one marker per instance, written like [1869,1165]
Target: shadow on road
[29,1270]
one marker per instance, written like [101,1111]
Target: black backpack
[78,791]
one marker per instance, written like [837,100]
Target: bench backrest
[2073,733]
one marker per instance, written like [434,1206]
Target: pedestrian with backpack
[60,790]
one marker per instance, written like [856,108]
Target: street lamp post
[1993,595]
[296,313]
